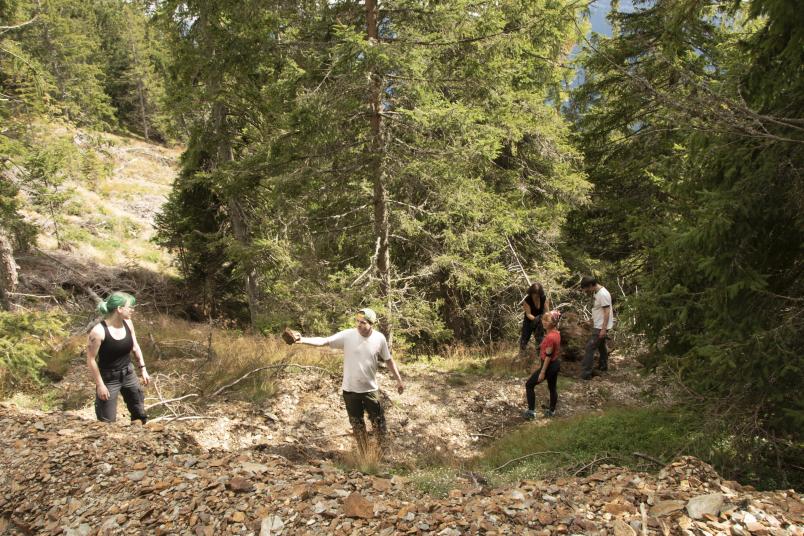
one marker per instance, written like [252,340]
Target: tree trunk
[236,215]
[143,113]
[380,192]
[8,272]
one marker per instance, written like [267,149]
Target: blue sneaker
[529,415]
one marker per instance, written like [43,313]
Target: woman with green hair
[112,341]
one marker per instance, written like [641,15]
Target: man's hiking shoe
[549,413]
[529,415]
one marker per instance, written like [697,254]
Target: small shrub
[27,341]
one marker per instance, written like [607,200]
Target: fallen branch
[283,365]
[45,297]
[649,458]
[509,462]
[592,463]
[174,419]
[169,401]
[644,510]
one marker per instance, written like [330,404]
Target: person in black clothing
[112,341]
[533,306]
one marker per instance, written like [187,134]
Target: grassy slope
[109,217]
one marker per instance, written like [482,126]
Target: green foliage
[26,343]
[693,141]
[47,170]
[468,152]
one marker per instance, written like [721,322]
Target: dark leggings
[552,382]
[531,327]
[121,381]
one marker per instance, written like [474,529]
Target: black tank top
[114,354]
[536,311]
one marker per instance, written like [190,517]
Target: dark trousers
[595,344]
[531,327]
[123,381]
[551,375]
[359,403]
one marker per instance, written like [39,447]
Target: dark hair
[588,281]
[536,288]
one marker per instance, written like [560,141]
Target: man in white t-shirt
[602,322]
[363,349]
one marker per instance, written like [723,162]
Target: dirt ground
[441,417]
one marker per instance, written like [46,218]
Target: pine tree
[438,122]
[694,144]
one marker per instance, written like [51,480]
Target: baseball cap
[369,315]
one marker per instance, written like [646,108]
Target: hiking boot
[549,413]
[529,415]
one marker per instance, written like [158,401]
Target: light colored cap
[369,315]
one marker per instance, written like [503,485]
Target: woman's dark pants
[551,375]
[531,327]
[121,381]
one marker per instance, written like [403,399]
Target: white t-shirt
[602,300]
[360,358]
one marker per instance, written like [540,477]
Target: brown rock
[663,508]
[240,485]
[621,528]
[617,508]
[355,505]
[238,517]
[545,518]
[756,528]
[300,491]
[381,484]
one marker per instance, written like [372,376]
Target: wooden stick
[644,510]
[186,418]
[590,464]
[170,400]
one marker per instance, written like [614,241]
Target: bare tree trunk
[381,231]
[8,272]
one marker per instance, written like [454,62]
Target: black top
[114,354]
[535,311]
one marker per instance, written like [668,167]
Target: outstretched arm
[313,341]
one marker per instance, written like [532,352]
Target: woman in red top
[549,352]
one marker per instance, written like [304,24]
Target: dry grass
[500,360]
[222,356]
[365,458]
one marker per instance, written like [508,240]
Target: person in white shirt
[363,349]
[602,322]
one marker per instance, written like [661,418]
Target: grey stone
[705,504]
